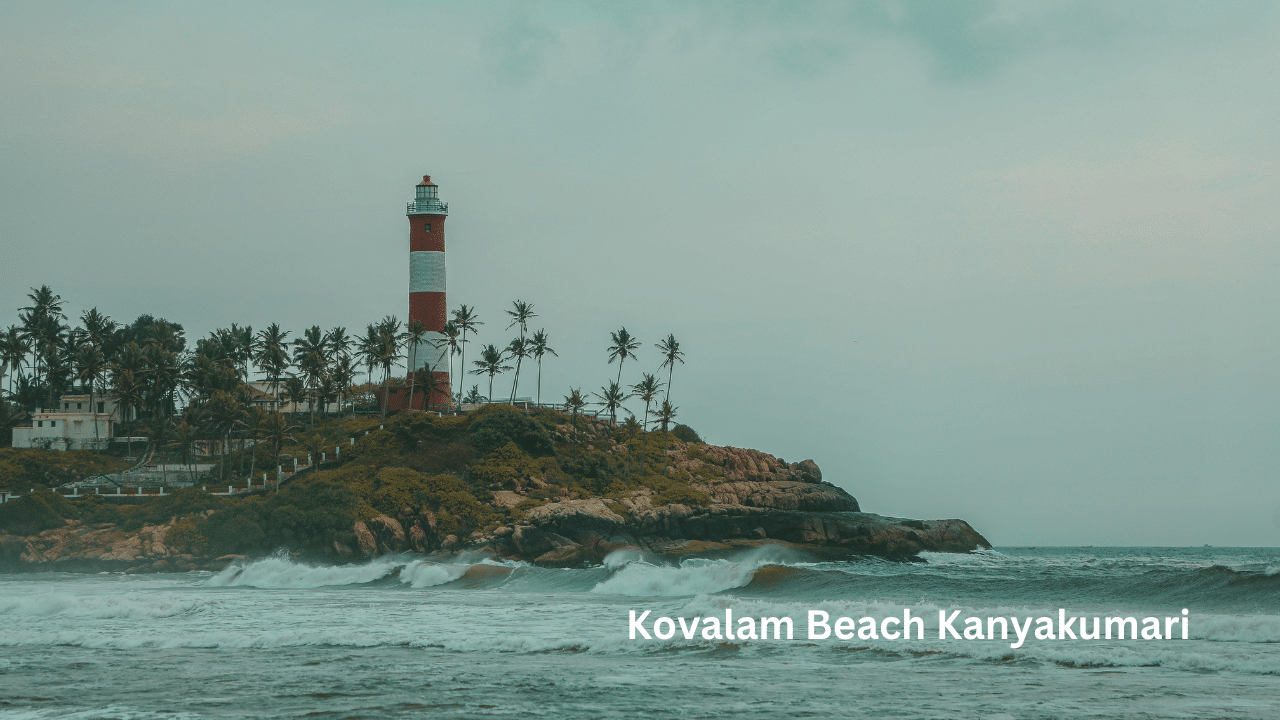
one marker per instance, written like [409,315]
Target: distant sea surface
[399,637]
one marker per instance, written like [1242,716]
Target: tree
[466,320]
[621,349]
[225,410]
[91,368]
[276,430]
[367,350]
[671,355]
[521,313]
[415,334]
[129,392]
[490,363]
[343,376]
[254,422]
[573,402]
[158,432]
[296,390]
[184,439]
[390,346]
[450,344]
[273,356]
[431,385]
[518,349]
[10,417]
[665,415]
[540,348]
[611,398]
[647,389]
[474,397]
[98,328]
[309,354]
[14,347]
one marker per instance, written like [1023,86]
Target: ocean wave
[281,573]
[101,607]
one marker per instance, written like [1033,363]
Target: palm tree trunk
[539,401]
[461,380]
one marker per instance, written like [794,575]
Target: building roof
[426,180]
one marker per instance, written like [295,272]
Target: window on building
[53,423]
[66,406]
[79,406]
[39,423]
[100,410]
[428,227]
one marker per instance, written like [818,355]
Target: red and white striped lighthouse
[426,284]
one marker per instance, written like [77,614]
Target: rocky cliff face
[78,547]
[755,499]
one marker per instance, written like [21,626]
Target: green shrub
[35,512]
[684,433]
[496,425]
[503,468]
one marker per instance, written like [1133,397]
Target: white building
[76,425]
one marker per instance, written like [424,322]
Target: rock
[450,542]
[417,538]
[808,470]
[367,542]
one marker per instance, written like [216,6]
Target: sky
[1014,263]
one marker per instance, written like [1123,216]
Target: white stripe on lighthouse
[426,271]
[428,354]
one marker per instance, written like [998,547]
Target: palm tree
[225,410]
[521,313]
[390,348]
[670,349]
[518,349]
[574,403]
[273,357]
[343,375]
[367,350]
[158,432]
[276,430]
[296,390]
[647,389]
[540,348]
[490,363]
[414,335]
[611,398]
[91,368]
[474,397]
[450,344]
[665,415]
[310,357]
[183,439]
[431,385]
[466,320]
[621,349]
[254,422]
[98,328]
[14,347]
[129,392]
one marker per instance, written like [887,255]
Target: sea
[400,637]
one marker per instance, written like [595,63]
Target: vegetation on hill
[446,468]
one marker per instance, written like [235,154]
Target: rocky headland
[704,501]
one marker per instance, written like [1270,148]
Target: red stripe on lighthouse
[429,309]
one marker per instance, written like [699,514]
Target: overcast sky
[1014,263]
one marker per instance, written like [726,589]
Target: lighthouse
[426,286]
